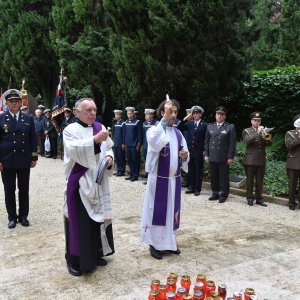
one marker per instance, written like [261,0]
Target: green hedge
[276,93]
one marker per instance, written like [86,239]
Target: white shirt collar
[17,114]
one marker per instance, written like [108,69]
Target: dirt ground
[231,243]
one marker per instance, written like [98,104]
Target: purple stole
[73,181]
[162,187]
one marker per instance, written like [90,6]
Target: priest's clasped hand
[100,136]
[183,154]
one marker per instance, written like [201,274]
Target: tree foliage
[185,48]
[25,47]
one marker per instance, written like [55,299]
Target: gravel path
[232,243]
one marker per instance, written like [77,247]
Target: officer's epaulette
[247,131]
[290,133]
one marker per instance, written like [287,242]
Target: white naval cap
[130,108]
[118,111]
[149,111]
[188,110]
[197,108]
[41,106]
[12,94]
[297,123]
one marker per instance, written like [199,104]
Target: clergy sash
[162,187]
[73,182]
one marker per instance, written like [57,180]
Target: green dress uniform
[255,163]
[292,142]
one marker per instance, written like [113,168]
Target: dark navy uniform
[146,126]
[17,150]
[118,128]
[132,137]
[196,138]
[219,147]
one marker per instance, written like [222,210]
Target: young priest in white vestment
[167,154]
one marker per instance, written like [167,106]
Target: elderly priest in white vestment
[87,209]
[167,154]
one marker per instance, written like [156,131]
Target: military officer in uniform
[118,127]
[219,151]
[255,158]
[196,137]
[18,153]
[132,140]
[292,142]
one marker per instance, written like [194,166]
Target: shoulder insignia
[289,132]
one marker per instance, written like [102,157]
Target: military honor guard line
[171,149]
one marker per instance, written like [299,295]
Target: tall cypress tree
[191,49]
[289,36]
[81,41]
[25,47]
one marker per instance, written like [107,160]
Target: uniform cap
[23,107]
[130,108]
[67,109]
[256,115]
[221,109]
[197,108]
[136,111]
[188,110]
[118,111]
[47,110]
[149,111]
[41,106]
[12,94]
[297,123]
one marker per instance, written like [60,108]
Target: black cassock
[89,234]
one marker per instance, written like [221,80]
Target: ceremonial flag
[60,99]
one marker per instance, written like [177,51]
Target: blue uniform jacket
[196,137]
[146,126]
[17,142]
[118,133]
[132,133]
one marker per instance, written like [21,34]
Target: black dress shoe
[119,174]
[145,182]
[250,202]
[177,252]
[222,199]
[74,270]
[155,253]
[291,207]
[54,157]
[190,192]
[24,221]
[101,261]
[128,178]
[213,197]
[261,203]
[12,224]
[197,193]
[134,179]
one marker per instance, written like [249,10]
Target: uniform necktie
[15,119]
[195,125]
